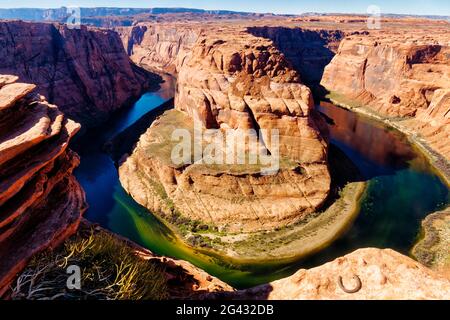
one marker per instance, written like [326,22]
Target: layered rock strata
[159,47]
[310,51]
[231,80]
[41,202]
[245,82]
[401,76]
[86,72]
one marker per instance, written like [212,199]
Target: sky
[420,7]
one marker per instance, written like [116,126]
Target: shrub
[110,269]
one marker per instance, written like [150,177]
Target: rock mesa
[232,80]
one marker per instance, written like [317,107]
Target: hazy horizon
[412,7]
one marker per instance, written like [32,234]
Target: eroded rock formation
[310,51]
[233,80]
[86,72]
[41,202]
[159,47]
[244,82]
[398,75]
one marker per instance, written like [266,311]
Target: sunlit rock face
[159,46]
[366,274]
[229,79]
[309,51]
[86,72]
[41,202]
[398,76]
[244,82]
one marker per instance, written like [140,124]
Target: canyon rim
[173,153]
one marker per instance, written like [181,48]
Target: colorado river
[402,190]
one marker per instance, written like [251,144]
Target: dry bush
[109,270]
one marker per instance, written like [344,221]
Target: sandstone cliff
[310,51]
[159,47]
[233,80]
[86,72]
[239,81]
[373,274]
[399,76]
[41,202]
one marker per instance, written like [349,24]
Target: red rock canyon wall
[41,202]
[86,72]
[403,76]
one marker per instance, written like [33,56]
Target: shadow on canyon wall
[375,148]
[124,142]
[59,61]
[309,51]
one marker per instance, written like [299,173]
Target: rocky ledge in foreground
[41,202]
[366,274]
[234,82]
[112,268]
